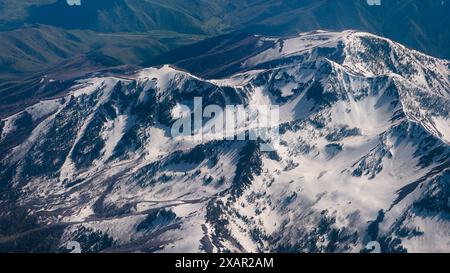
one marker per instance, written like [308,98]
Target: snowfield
[363,155]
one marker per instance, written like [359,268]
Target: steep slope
[38,34]
[51,83]
[363,154]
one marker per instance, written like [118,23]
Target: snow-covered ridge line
[363,124]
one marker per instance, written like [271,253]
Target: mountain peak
[363,150]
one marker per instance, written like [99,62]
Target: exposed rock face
[363,155]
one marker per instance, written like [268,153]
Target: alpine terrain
[363,155]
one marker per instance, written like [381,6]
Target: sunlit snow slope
[363,155]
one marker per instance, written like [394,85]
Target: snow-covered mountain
[364,155]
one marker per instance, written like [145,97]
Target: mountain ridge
[363,155]
[133,30]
